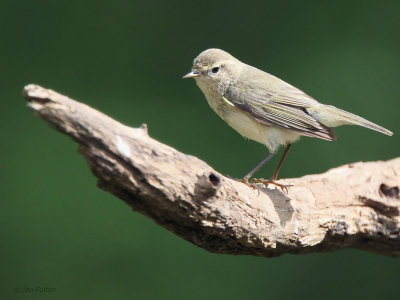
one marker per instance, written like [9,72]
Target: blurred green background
[127,59]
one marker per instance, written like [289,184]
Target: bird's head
[214,68]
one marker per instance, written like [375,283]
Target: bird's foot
[283,187]
[248,183]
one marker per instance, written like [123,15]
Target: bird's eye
[215,70]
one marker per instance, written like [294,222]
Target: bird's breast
[249,127]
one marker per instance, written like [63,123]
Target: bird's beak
[191,75]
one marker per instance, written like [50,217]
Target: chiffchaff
[264,108]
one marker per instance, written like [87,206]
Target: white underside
[271,136]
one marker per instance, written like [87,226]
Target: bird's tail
[332,117]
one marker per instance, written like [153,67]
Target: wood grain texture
[351,206]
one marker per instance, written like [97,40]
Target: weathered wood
[352,206]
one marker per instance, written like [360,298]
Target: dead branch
[352,206]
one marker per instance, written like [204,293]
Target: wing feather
[286,110]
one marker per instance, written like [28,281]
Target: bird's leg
[246,178]
[275,176]
[258,167]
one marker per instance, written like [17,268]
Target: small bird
[265,108]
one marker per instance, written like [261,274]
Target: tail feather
[332,117]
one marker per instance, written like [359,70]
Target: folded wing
[286,110]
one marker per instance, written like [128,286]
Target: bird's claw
[251,184]
[283,187]
[248,183]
